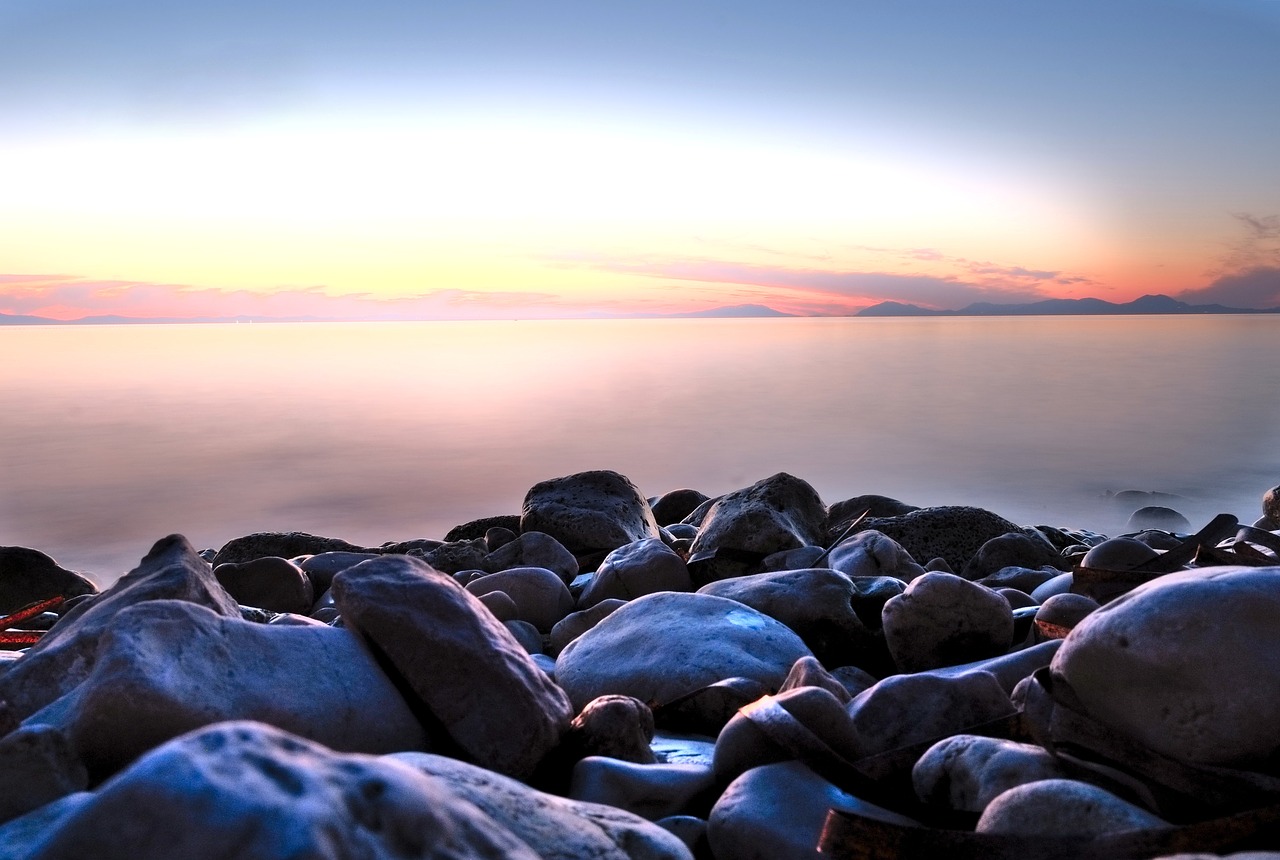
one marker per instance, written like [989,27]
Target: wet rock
[1013,549]
[39,765]
[66,654]
[1060,613]
[778,513]
[816,603]
[271,583]
[705,711]
[870,594]
[1008,669]
[1063,807]
[1158,517]
[136,697]
[662,646]
[967,772]
[954,533]
[28,576]
[636,569]
[588,512]
[540,595]
[279,544]
[532,549]
[269,794]
[576,623]
[651,791]
[556,828]
[672,507]
[944,620]
[619,727]
[1179,664]
[870,553]
[776,812]
[908,709]
[461,662]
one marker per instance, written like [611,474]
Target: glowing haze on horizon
[396,160]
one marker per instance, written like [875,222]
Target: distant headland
[1157,304]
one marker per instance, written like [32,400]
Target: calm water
[112,437]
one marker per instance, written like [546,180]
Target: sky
[501,159]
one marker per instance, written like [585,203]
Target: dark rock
[461,662]
[967,772]
[908,709]
[842,513]
[870,553]
[1025,579]
[620,727]
[575,624]
[271,583]
[672,507]
[588,512]
[1063,807]
[39,765]
[497,537]
[651,791]
[1062,612]
[456,556]
[1158,517]
[943,620]
[533,549]
[954,533]
[634,570]
[1014,549]
[28,576]
[808,672]
[742,744]
[540,596]
[323,567]
[280,544]
[478,528]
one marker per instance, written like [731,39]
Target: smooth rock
[902,710]
[651,791]
[39,765]
[575,624]
[280,544]
[793,559]
[1016,599]
[692,831]
[871,553]
[967,772]
[1008,669]
[479,528]
[816,603]
[1122,553]
[742,745]
[944,620]
[28,576]
[496,537]
[853,679]
[953,533]
[1024,579]
[634,570]
[65,655]
[271,583]
[1185,664]
[778,513]
[461,662]
[588,511]
[501,605]
[808,672]
[1063,807]
[556,828]
[532,549]
[165,667]
[842,513]
[1060,584]
[249,790]
[620,727]
[870,594]
[456,556]
[322,567]
[665,645]
[1065,611]
[705,711]
[526,634]
[672,507]
[540,595]
[1013,549]
[776,812]
[1158,517]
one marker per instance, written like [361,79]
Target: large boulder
[870,553]
[272,583]
[1187,665]
[635,570]
[279,544]
[28,576]
[943,620]
[245,789]
[589,511]
[165,667]
[779,513]
[533,549]
[65,655]
[662,646]
[953,533]
[816,603]
[460,662]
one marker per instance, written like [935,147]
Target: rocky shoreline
[609,676]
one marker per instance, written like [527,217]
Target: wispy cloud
[1248,275]
[1253,288]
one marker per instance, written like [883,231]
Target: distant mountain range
[1157,304]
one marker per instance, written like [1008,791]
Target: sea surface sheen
[114,436]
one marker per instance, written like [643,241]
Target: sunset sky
[418,160]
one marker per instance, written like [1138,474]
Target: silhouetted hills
[1157,304]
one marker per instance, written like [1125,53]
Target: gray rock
[1016,599]
[532,549]
[39,765]
[322,567]
[816,603]
[461,662]
[280,544]
[1008,669]
[870,594]
[576,623]
[165,667]
[953,533]
[742,745]
[871,553]
[944,620]
[1158,517]
[1063,807]
[636,569]
[556,828]
[651,791]
[540,595]
[793,559]
[1183,665]
[909,709]
[853,679]
[65,656]
[1013,549]
[1060,584]
[662,646]
[28,576]
[249,790]
[778,513]
[588,511]
[967,772]
[496,537]
[501,605]
[271,583]
[526,634]
[777,812]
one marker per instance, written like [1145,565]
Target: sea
[113,436]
